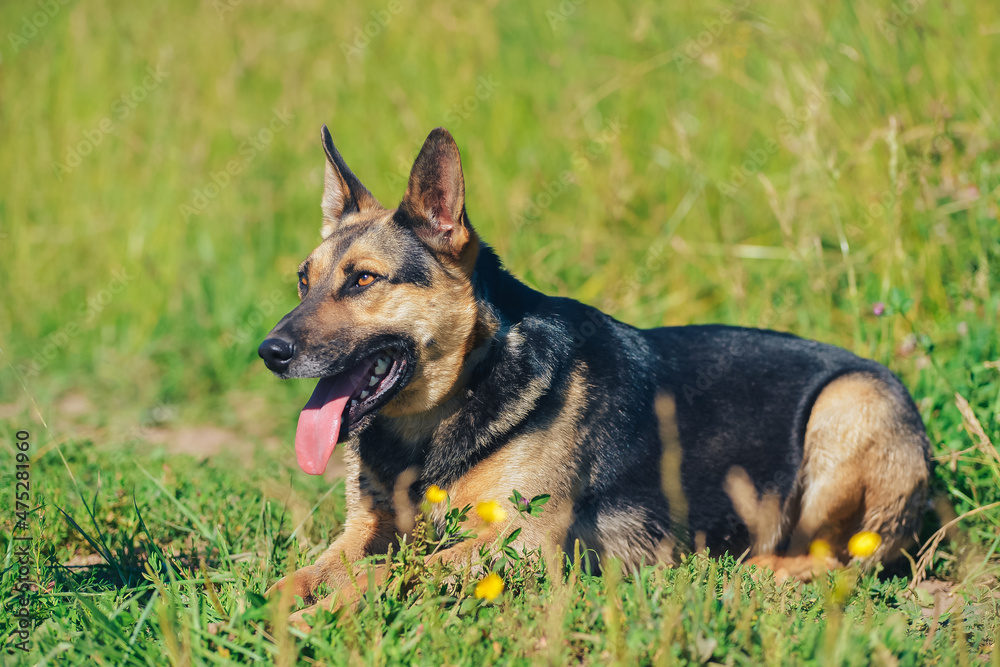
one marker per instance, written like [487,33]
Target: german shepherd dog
[438,367]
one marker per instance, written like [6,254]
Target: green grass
[870,140]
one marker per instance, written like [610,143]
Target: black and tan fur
[647,440]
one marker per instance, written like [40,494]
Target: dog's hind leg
[865,468]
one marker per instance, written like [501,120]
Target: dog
[436,366]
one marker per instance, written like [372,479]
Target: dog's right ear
[342,191]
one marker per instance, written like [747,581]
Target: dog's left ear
[435,199]
[343,193]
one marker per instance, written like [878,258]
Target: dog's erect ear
[435,197]
[342,191]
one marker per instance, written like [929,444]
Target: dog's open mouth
[339,402]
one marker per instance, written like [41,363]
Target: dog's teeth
[373,381]
[381,365]
[364,394]
[354,402]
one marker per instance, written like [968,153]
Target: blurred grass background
[643,103]
[802,167]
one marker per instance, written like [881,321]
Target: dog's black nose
[277,354]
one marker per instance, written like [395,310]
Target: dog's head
[387,312]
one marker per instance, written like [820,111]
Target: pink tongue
[319,422]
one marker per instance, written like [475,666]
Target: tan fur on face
[442,319]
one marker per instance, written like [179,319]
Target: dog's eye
[365,279]
[303,282]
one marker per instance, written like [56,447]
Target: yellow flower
[490,587]
[820,549]
[436,494]
[864,544]
[223,651]
[490,511]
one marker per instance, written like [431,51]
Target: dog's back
[826,442]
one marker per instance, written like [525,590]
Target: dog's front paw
[302,582]
[298,619]
[803,568]
[330,603]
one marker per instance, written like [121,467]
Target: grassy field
[830,169]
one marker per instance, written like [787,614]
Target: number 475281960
[22,489]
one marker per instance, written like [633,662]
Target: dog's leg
[348,594]
[370,534]
[364,535]
[376,515]
[864,469]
